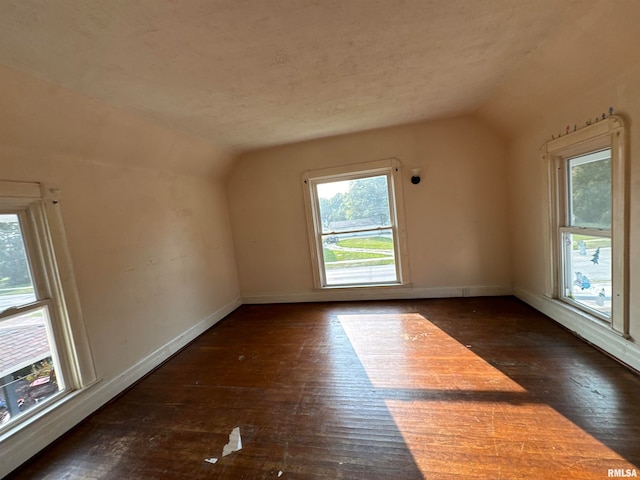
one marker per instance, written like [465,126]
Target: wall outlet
[466,292]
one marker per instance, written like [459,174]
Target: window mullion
[12,312]
[596,232]
[362,230]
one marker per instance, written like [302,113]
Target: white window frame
[391,168]
[606,133]
[38,208]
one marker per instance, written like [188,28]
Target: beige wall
[145,215]
[577,76]
[456,218]
[528,193]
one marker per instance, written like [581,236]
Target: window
[43,350]
[587,170]
[353,225]
[586,233]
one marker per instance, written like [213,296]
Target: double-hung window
[353,218]
[587,175]
[44,354]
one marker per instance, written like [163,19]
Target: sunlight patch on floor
[448,402]
[441,434]
[385,343]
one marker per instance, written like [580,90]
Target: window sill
[581,315]
[34,419]
[372,286]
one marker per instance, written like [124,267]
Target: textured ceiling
[246,74]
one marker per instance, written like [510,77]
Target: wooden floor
[442,389]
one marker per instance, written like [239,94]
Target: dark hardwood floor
[473,388]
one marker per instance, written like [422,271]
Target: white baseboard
[377,293]
[593,331]
[50,424]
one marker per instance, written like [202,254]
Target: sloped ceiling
[247,74]
[597,51]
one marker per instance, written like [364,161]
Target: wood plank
[456,388]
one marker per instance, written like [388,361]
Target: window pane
[16,286]
[27,370]
[353,258]
[588,270]
[354,204]
[590,190]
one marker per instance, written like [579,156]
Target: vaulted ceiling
[246,74]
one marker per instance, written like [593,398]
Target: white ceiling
[246,74]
